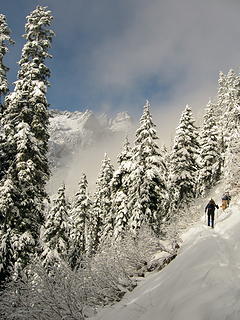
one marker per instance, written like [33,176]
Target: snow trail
[202,283]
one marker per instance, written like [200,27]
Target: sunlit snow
[203,282]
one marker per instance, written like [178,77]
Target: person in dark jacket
[210,209]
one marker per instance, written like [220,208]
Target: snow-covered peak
[72,131]
[104,119]
[122,122]
[77,120]
[67,120]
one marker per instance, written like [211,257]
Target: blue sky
[111,55]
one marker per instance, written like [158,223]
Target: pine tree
[166,156]
[230,122]
[232,162]
[120,188]
[8,250]
[94,226]
[228,102]
[230,105]
[148,191]
[220,103]
[55,240]
[79,223]
[5,40]
[184,166]
[221,95]
[28,104]
[210,153]
[25,122]
[102,217]
[138,195]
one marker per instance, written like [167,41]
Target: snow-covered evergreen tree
[184,165]
[102,218]
[28,104]
[7,249]
[125,155]
[232,162]
[55,239]
[25,122]
[139,195]
[5,40]
[166,155]
[148,191]
[79,223]
[120,188]
[210,152]
[221,95]
[94,226]
[231,104]
[7,257]
[3,156]
[228,102]
[230,122]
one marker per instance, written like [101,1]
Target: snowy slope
[202,283]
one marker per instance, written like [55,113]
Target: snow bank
[203,282]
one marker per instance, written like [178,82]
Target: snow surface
[202,283]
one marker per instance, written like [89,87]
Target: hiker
[225,200]
[210,209]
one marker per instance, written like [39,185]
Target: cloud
[168,37]
[182,45]
[87,161]
[118,53]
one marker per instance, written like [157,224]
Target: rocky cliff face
[73,131]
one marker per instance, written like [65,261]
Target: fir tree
[28,104]
[55,240]
[210,153]
[94,226]
[8,210]
[138,195]
[166,156]
[25,121]
[148,191]
[221,95]
[230,121]
[102,218]
[228,102]
[230,105]
[184,166]
[5,40]
[79,223]
[232,162]
[120,188]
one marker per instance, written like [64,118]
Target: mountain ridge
[71,131]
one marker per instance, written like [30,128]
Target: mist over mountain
[78,142]
[71,132]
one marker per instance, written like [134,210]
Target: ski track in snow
[202,283]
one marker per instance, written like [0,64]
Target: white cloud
[183,44]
